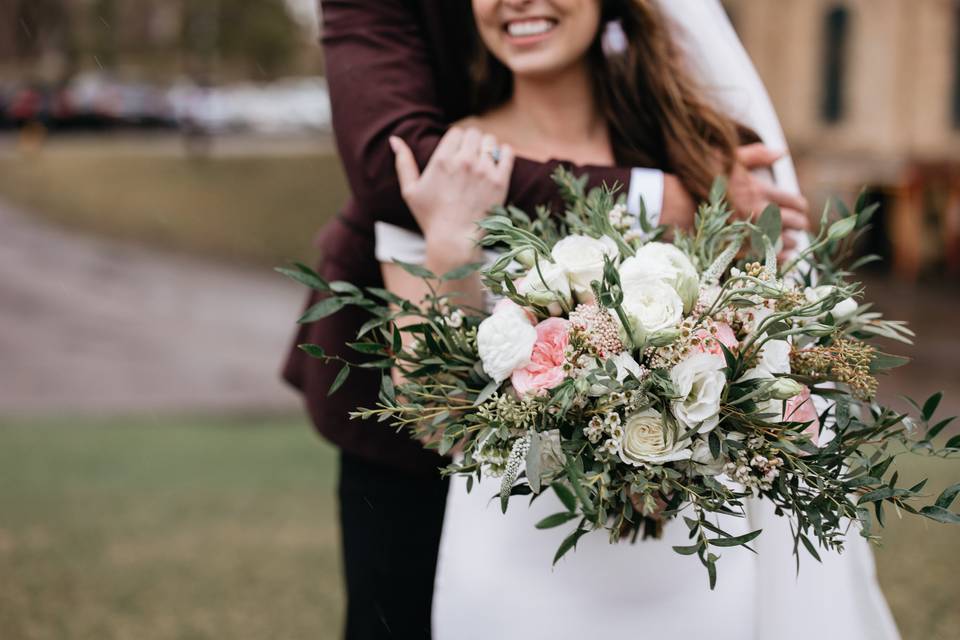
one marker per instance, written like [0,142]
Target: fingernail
[394,143]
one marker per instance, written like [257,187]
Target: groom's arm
[381,83]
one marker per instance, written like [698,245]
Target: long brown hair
[653,108]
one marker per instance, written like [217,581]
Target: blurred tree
[103,21]
[259,34]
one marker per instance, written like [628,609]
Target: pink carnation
[545,370]
[800,408]
[710,342]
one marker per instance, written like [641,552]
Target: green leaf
[877,494]
[487,392]
[366,347]
[940,514]
[809,547]
[416,270]
[886,361]
[930,406]
[769,225]
[461,272]
[322,309]
[712,570]
[842,228]
[954,442]
[313,350]
[948,496]
[718,190]
[555,520]
[935,430]
[566,496]
[339,380]
[687,551]
[737,540]
[568,543]
[345,288]
[308,277]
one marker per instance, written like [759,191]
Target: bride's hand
[750,195]
[460,184]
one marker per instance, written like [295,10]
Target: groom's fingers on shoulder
[787,200]
[793,219]
[757,155]
[450,142]
[407,171]
[505,164]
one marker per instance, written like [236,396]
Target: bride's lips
[529,31]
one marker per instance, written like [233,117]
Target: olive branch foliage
[444,397]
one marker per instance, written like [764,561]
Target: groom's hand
[749,195]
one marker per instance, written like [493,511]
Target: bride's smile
[536,37]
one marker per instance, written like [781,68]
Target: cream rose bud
[699,382]
[505,341]
[583,257]
[785,388]
[651,306]
[666,263]
[648,440]
[547,287]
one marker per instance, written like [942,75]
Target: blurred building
[50,40]
[869,95]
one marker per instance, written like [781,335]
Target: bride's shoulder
[491,122]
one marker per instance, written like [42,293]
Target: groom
[400,67]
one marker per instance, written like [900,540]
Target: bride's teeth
[529,28]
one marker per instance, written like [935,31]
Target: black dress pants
[390,522]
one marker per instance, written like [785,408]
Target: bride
[600,83]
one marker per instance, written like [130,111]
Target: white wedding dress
[495,579]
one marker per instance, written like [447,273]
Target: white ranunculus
[505,341]
[547,287]
[706,464]
[648,440]
[582,258]
[666,263]
[651,306]
[841,311]
[699,382]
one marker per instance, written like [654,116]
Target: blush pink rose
[800,408]
[545,370]
[724,335]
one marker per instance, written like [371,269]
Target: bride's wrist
[445,254]
[679,206]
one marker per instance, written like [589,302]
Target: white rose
[547,287]
[583,257]
[505,341]
[699,382]
[647,440]
[651,306]
[841,311]
[773,360]
[666,263]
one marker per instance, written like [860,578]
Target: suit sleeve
[382,83]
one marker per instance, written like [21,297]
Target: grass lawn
[218,528]
[262,208]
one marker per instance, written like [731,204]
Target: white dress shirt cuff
[646,184]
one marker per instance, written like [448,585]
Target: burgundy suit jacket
[394,67]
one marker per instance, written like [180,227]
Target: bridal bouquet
[643,380]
